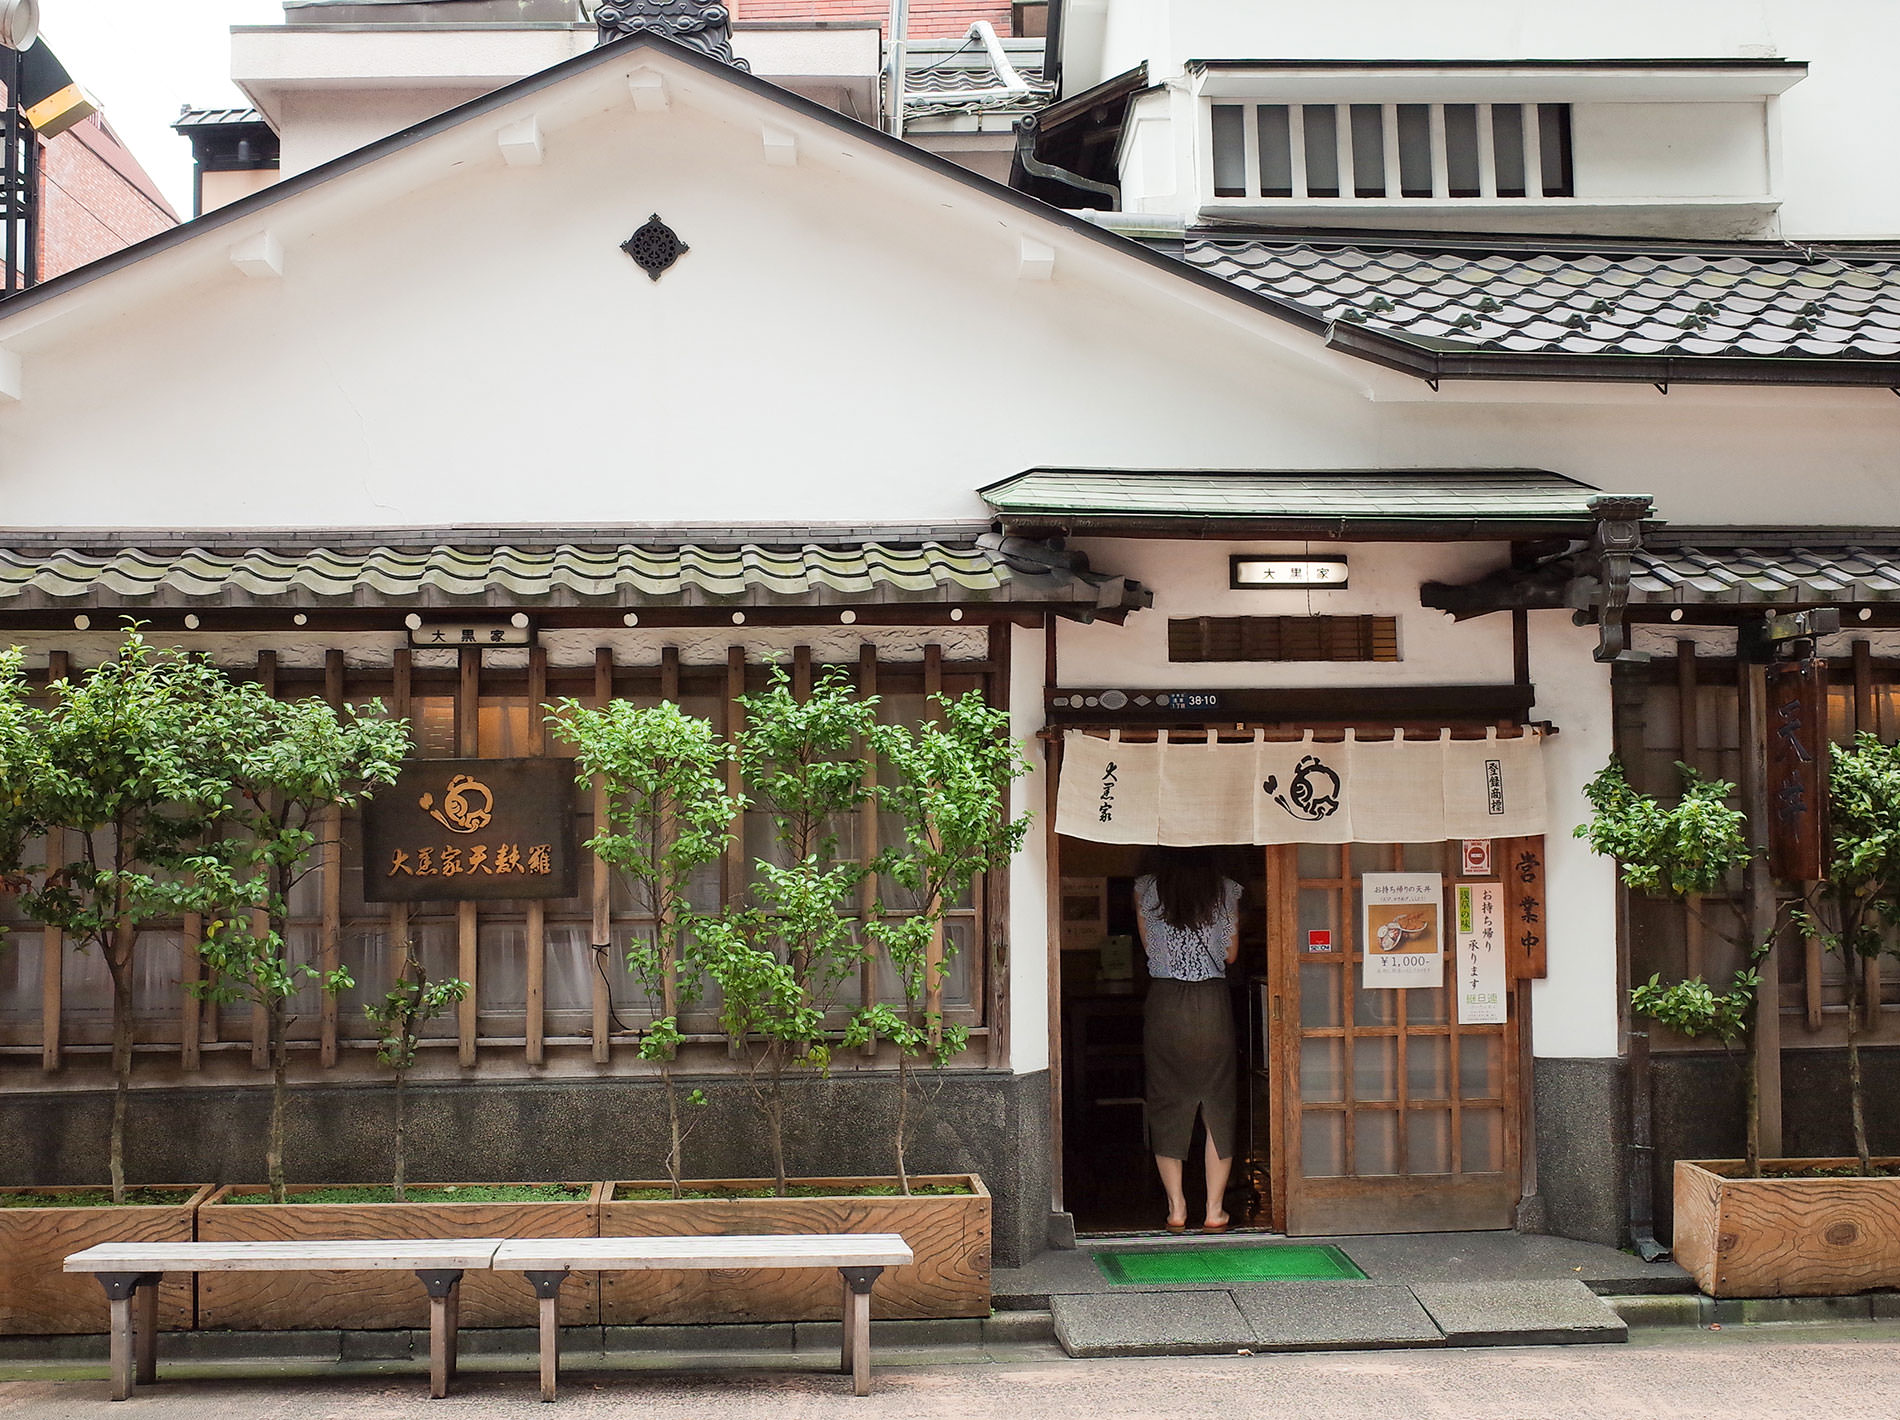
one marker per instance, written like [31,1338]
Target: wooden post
[801,673]
[603,936]
[669,963]
[535,933]
[1866,720]
[260,919]
[331,859]
[994,944]
[1688,743]
[467,924]
[59,666]
[933,952]
[867,843]
[190,1009]
[733,870]
[1052,923]
[397,922]
[1760,904]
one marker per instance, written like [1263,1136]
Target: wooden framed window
[1283,638]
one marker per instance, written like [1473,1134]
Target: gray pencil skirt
[1188,1042]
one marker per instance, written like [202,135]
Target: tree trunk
[121,971]
[903,1117]
[675,1142]
[1751,1100]
[1856,1090]
[280,1070]
[402,1115]
[775,1117]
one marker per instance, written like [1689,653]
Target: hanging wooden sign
[1529,931]
[1797,755]
[455,830]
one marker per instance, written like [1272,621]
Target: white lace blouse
[1192,953]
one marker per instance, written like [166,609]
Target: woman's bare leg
[1217,1171]
[1170,1171]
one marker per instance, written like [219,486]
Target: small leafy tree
[1675,851]
[411,1004]
[668,816]
[121,768]
[1858,903]
[779,960]
[287,762]
[948,783]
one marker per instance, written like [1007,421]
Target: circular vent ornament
[654,247]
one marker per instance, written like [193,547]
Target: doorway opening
[1109,1179]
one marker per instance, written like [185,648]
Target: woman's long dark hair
[1188,882]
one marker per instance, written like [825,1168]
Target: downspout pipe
[985,32]
[894,67]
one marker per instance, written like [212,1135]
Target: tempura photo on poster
[1402,930]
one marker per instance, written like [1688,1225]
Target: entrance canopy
[1201,792]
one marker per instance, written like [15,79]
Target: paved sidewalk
[1764,1373]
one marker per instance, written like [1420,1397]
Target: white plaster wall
[1574,1009]
[1672,149]
[1029,1004]
[1190,579]
[1833,124]
[320,124]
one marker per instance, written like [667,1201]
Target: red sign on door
[1319,941]
[1477,857]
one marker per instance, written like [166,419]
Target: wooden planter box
[1786,1237]
[38,1299]
[382,1301]
[949,1234]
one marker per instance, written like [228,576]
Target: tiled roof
[563,575]
[941,80]
[1080,497]
[1706,572]
[1777,304]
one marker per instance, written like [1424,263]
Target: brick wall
[95,199]
[929,19]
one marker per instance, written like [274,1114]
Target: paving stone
[1335,1316]
[1151,1324]
[1491,1313]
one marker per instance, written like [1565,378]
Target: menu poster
[1402,931]
[1480,965]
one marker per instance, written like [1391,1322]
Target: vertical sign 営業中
[1402,933]
[1480,963]
[1797,766]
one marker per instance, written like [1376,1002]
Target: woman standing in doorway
[1189,921]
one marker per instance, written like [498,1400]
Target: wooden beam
[603,937]
[535,933]
[801,673]
[59,666]
[669,965]
[190,1009]
[467,923]
[330,851]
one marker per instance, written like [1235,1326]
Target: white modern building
[1354,426]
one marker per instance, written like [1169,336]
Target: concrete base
[988,1122]
[1543,1313]
[1152,1324]
[1582,1144]
[1335,1316]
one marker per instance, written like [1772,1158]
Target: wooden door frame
[1283,966]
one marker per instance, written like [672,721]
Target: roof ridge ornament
[698,24]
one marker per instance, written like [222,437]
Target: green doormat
[1274,1262]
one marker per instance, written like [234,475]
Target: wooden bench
[859,1258]
[129,1272]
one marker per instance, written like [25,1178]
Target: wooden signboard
[459,830]
[1797,767]
[1528,931]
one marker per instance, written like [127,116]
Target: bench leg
[134,1299]
[444,1286]
[145,1331]
[547,1286]
[858,1282]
